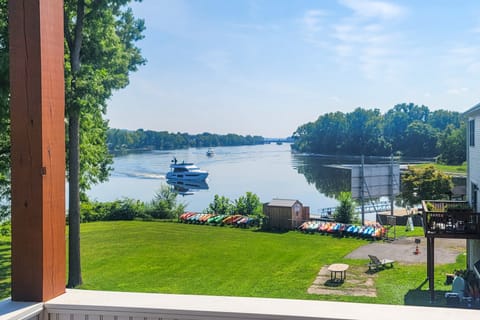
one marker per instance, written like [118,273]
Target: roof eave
[474,109]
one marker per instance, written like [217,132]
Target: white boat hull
[187,175]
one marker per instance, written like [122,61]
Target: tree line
[121,140]
[407,130]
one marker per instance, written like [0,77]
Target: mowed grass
[196,259]
[5,262]
[447,169]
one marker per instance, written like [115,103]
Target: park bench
[377,264]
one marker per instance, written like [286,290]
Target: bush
[124,209]
[345,212]
[164,205]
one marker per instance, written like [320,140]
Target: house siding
[473,178]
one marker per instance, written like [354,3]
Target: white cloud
[312,24]
[365,39]
[457,91]
[374,9]
[312,20]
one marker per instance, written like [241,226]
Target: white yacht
[185,171]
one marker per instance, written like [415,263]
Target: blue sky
[265,67]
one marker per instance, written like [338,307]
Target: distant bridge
[278,140]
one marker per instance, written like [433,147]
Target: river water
[270,171]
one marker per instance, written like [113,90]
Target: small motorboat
[185,171]
[210,152]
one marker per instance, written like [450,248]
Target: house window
[472,132]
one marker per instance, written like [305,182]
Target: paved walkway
[402,250]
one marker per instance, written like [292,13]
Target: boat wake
[141,175]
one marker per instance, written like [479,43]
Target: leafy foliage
[220,205]
[425,183]
[249,205]
[406,129]
[164,205]
[452,143]
[99,56]
[345,212]
[120,139]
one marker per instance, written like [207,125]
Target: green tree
[365,129]
[164,204]
[249,204]
[451,145]
[425,184]
[99,56]
[420,140]
[345,212]
[4,113]
[220,205]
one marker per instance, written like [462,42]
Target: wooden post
[38,149]
[431,267]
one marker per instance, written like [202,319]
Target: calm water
[270,171]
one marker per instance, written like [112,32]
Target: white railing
[12,310]
[102,305]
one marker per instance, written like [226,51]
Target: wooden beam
[38,149]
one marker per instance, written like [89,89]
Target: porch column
[37,149]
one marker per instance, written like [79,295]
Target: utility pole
[362,189]
[392,181]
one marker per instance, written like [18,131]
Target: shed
[285,214]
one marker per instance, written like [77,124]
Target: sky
[266,67]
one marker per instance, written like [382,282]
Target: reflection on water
[270,171]
[187,187]
[324,173]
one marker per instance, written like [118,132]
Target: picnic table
[338,268]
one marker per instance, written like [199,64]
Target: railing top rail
[84,302]
[15,310]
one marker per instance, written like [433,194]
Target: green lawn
[195,259]
[458,170]
[5,258]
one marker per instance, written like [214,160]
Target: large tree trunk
[74,266]
[74,44]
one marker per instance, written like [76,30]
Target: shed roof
[283,203]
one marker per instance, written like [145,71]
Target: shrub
[345,212]
[164,205]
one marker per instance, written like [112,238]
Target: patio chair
[378,264]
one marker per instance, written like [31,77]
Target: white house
[473,178]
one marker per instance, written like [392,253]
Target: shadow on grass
[420,296]
[278,231]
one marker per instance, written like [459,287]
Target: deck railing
[450,219]
[102,305]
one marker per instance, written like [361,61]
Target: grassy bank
[456,170]
[194,259]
